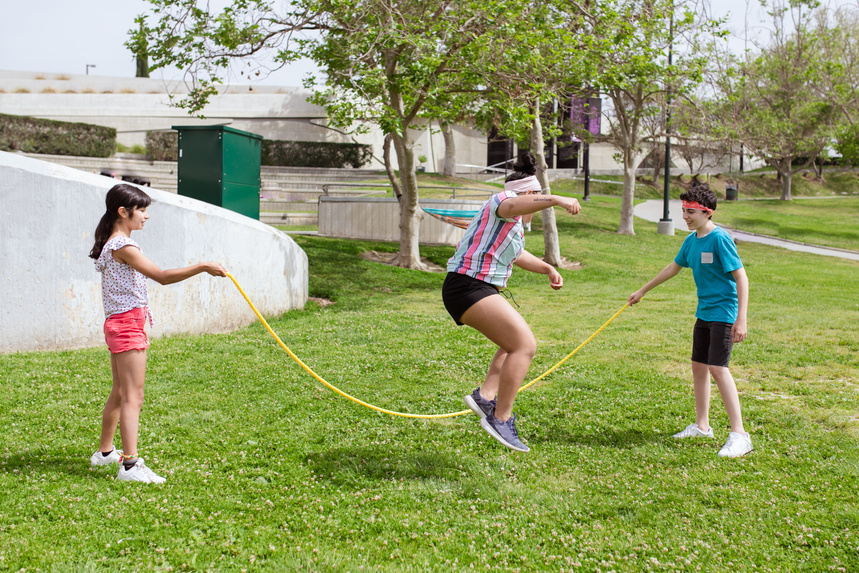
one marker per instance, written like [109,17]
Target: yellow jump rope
[406,414]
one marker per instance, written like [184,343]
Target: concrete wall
[50,293]
[134,106]
[378,219]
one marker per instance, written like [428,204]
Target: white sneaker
[97,459]
[139,472]
[693,431]
[737,445]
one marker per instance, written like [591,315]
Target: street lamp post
[666,225]
[88,66]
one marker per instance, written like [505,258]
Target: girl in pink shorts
[124,271]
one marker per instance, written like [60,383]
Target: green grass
[269,472]
[829,222]
[750,185]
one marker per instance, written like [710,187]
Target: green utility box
[220,165]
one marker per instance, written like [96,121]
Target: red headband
[696,205]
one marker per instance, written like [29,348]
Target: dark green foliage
[314,154]
[162,145]
[847,144]
[34,135]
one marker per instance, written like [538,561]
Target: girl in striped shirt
[481,265]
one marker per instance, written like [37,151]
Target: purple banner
[586,113]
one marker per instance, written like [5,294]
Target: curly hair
[700,193]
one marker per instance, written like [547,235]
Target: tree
[540,65]
[383,60]
[632,43]
[769,103]
[837,35]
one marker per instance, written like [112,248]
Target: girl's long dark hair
[523,167]
[120,195]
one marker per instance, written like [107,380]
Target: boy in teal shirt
[723,296]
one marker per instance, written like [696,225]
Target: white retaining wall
[50,293]
[378,219]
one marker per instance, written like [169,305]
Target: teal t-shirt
[712,258]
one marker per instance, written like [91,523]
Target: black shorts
[460,292]
[711,343]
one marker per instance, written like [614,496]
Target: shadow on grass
[36,462]
[347,466]
[621,440]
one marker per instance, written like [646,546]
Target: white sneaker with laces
[97,459]
[139,472]
[693,431]
[737,445]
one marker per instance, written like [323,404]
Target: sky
[64,37]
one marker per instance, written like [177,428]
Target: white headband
[529,183]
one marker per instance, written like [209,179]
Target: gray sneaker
[98,459]
[478,404]
[504,432]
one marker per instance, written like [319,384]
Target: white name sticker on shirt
[706,258]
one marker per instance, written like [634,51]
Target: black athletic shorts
[711,343]
[460,292]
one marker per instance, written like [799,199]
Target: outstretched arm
[138,261]
[527,204]
[531,263]
[740,330]
[668,272]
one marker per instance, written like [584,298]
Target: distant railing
[455,192]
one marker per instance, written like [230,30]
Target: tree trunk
[785,185]
[409,255]
[628,202]
[389,168]
[658,156]
[551,250]
[818,170]
[448,168]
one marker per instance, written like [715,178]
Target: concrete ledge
[378,219]
[50,293]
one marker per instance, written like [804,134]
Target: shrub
[162,145]
[34,135]
[314,154]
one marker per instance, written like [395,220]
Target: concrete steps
[288,195]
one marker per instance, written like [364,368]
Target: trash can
[731,193]
[220,165]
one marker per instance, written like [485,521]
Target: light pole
[666,225]
[88,66]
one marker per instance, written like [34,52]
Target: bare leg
[493,376]
[110,415]
[730,397]
[499,322]
[701,383]
[131,370]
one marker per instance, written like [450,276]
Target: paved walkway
[652,210]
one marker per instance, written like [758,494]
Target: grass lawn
[829,222]
[751,185]
[267,471]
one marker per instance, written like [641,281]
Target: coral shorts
[124,331]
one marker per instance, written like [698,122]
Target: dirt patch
[322,302]
[570,265]
[388,258]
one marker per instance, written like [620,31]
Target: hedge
[315,153]
[162,146]
[34,135]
